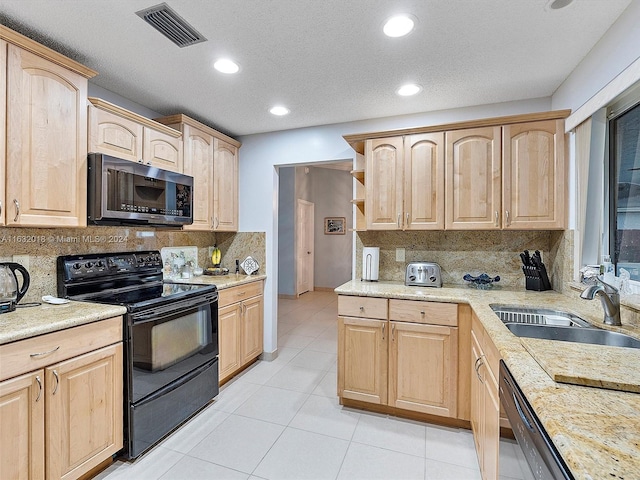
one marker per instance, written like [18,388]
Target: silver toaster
[423,274]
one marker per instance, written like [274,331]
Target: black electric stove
[170,338]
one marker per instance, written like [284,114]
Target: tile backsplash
[44,245]
[457,252]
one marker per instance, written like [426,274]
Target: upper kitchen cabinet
[3,129]
[488,174]
[118,132]
[534,177]
[225,185]
[473,179]
[405,182]
[383,183]
[211,158]
[46,135]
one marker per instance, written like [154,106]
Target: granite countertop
[27,322]
[595,430]
[220,281]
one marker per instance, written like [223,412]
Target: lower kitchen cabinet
[409,362]
[485,401]
[64,417]
[240,327]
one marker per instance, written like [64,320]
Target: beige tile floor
[282,420]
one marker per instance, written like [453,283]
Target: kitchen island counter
[594,429]
[26,322]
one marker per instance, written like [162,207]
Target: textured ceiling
[327,60]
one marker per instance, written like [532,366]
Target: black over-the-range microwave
[125,192]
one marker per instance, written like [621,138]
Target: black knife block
[536,278]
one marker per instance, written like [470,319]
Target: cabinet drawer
[38,352]
[432,313]
[367,307]
[241,292]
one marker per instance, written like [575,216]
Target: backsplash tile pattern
[44,245]
[457,252]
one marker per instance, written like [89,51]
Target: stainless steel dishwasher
[542,456]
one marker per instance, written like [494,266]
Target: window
[624,214]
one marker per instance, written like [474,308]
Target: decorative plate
[249,265]
[481,281]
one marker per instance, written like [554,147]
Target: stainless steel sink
[538,316]
[552,324]
[595,336]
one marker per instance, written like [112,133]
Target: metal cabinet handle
[393,331]
[55,389]
[497,219]
[42,354]
[506,212]
[407,219]
[0,208]
[383,329]
[422,312]
[17,204]
[399,216]
[217,223]
[361,308]
[39,387]
[479,363]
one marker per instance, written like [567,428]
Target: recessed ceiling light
[224,65]
[279,110]
[398,26]
[409,89]
[558,4]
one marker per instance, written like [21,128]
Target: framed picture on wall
[334,225]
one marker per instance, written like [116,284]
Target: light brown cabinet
[485,400]
[489,174]
[64,417]
[409,362]
[116,131]
[473,179]
[534,177]
[211,158]
[225,186]
[45,135]
[240,327]
[405,182]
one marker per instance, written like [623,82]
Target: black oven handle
[156,313]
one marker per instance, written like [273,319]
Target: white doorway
[305,215]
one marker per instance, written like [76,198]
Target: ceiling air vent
[171,25]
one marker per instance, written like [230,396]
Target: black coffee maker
[10,291]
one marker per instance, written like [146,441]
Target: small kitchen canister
[370,263]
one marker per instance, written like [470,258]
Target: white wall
[332,191]
[614,52]
[286,231]
[261,153]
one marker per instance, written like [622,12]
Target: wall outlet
[22,260]
[400,254]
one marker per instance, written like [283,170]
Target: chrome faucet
[610,298]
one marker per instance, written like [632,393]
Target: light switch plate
[400,254]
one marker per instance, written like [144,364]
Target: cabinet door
[383,183]
[46,143]
[251,337]
[3,129]
[83,412]
[162,150]
[114,135]
[477,397]
[534,178]
[225,187]
[424,182]
[473,179]
[491,437]
[228,340]
[198,162]
[423,368]
[22,427]
[362,359]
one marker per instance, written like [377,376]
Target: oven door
[167,342]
